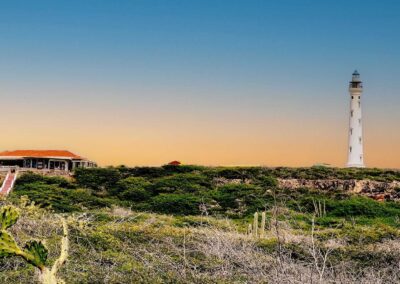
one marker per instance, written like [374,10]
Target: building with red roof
[44,160]
[174,163]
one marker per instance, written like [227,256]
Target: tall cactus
[33,252]
[255,225]
[263,220]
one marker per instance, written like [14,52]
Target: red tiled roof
[174,163]
[40,154]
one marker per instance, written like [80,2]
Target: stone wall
[374,189]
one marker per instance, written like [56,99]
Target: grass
[117,245]
[189,224]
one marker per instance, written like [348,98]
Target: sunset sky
[212,82]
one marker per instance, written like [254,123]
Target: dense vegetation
[193,190]
[119,232]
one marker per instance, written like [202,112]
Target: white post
[355,150]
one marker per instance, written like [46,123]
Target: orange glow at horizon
[116,135]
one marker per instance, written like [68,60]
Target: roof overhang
[32,157]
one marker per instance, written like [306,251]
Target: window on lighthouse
[351,113]
[351,131]
[351,149]
[359,139]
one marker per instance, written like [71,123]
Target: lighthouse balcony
[355,90]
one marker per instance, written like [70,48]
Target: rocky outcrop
[374,189]
[219,181]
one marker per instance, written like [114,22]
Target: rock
[375,189]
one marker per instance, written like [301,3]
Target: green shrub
[31,177]
[241,198]
[59,199]
[181,183]
[361,206]
[98,179]
[179,204]
[133,189]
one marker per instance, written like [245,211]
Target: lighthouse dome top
[356,76]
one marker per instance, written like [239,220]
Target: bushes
[181,183]
[157,172]
[240,198]
[133,189]
[49,196]
[30,177]
[243,190]
[179,204]
[57,198]
[98,179]
[362,206]
[319,172]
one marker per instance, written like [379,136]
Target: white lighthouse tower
[355,150]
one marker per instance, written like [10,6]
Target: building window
[352,97]
[361,158]
[359,103]
[359,139]
[359,121]
[351,113]
[351,149]
[351,131]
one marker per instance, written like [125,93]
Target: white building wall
[355,149]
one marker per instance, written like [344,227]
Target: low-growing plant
[34,252]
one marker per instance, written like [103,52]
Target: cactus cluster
[33,252]
[254,229]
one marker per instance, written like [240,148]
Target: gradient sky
[213,82]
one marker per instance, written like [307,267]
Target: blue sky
[245,60]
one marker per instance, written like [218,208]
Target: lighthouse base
[355,166]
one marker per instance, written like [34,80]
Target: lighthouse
[355,150]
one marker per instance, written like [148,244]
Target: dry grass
[121,246]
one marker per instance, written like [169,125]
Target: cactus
[319,208]
[37,253]
[8,217]
[255,225]
[249,229]
[34,252]
[262,229]
[8,246]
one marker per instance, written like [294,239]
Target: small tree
[34,252]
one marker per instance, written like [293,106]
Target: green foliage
[229,195]
[242,173]
[179,204]
[362,206]
[8,217]
[133,189]
[157,172]
[59,199]
[97,179]
[267,181]
[180,183]
[8,246]
[36,253]
[369,234]
[234,191]
[241,199]
[30,177]
[319,172]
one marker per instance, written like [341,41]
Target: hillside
[190,224]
